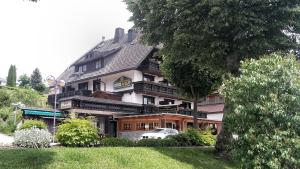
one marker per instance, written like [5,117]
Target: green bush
[167,142]
[116,142]
[264,112]
[34,123]
[77,133]
[207,139]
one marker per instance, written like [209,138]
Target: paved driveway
[6,140]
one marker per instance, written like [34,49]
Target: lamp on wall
[53,82]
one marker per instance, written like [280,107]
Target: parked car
[159,133]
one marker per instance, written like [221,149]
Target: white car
[159,133]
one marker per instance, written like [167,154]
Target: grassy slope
[119,157]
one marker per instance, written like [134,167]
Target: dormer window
[100,63]
[82,68]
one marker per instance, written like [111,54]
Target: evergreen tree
[36,81]
[12,76]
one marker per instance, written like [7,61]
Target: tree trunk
[195,113]
[224,138]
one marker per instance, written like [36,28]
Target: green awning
[41,113]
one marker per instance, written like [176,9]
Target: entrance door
[171,125]
[96,85]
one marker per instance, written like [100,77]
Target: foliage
[207,139]
[24,81]
[32,138]
[265,103]
[12,76]
[36,81]
[34,123]
[218,34]
[166,142]
[113,158]
[116,142]
[9,95]
[77,133]
[192,80]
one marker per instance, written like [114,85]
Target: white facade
[215,116]
[130,96]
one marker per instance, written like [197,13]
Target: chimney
[119,33]
[131,35]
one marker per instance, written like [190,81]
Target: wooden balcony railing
[150,66]
[156,89]
[68,94]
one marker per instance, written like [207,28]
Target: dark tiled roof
[125,56]
[100,100]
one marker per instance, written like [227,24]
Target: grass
[110,158]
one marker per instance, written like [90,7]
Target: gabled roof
[124,56]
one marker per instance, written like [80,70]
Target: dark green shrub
[33,123]
[167,142]
[116,142]
[77,133]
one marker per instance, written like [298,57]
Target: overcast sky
[51,34]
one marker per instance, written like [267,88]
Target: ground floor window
[127,126]
[140,126]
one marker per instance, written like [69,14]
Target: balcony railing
[156,89]
[151,109]
[151,66]
[68,94]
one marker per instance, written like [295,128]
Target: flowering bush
[32,138]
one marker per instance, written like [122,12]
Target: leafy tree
[36,81]
[265,102]
[218,33]
[192,80]
[12,76]
[24,80]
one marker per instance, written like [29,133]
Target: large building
[118,83]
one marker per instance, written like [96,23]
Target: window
[148,78]
[82,68]
[100,63]
[127,126]
[140,126]
[83,86]
[148,100]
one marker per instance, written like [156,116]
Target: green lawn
[109,157]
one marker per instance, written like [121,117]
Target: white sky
[51,34]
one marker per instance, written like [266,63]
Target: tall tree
[24,80]
[219,33]
[36,81]
[192,81]
[12,76]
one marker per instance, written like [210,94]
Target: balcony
[174,109]
[150,66]
[156,89]
[68,94]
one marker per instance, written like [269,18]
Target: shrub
[32,138]
[77,133]
[264,112]
[34,123]
[207,138]
[116,142]
[167,142]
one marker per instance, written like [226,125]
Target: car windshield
[158,130]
